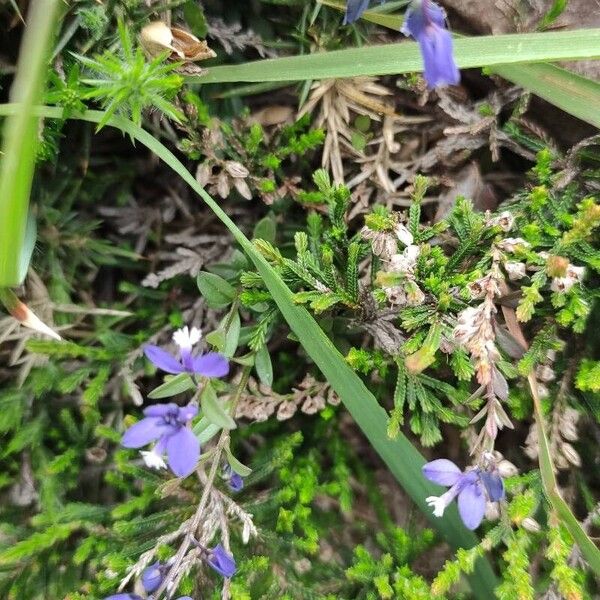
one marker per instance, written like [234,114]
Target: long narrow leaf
[401,457]
[20,143]
[387,59]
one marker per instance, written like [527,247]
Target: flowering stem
[173,576]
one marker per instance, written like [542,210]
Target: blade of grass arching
[572,93]
[387,59]
[20,140]
[401,457]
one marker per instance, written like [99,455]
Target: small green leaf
[236,465]
[263,366]
[265,229]
[217,338]
[194,17]
[213,410]
[173,385]
[205,431]
[216,291]
[233,335]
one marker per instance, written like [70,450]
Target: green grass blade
[387,59]
[20,142]
[401,457]
[572,93]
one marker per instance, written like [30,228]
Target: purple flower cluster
[167,424]
[472,488]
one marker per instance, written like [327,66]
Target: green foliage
[128,84]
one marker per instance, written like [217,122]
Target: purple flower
[236,482]
[212,364]
[221,561]
[426,22]
[167,425]
[152,576]
[354,10]
[470,487]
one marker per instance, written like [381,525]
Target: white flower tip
[437,503]
[29,319]
[153,460]
[404,235]
[186,338]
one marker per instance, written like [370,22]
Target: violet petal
[163,360]
[212,364]
[494,485]
[442,471]
[437,50]
[183,452]
[124,597]
[143,432]
[354,9]
[222,562]
[185,413]
[152,577]
[161,410]
[471,505]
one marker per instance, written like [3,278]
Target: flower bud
[531,525]
[507,469]
[570,454]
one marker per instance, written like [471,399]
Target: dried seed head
[189,47]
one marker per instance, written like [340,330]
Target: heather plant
[371,383]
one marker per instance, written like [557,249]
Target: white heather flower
[504,220]
[510,244]
[531,525]
[515,270]
[572,276]
[507,469]
[404,235]
[396,295]
[153,460]
[411,253]
[185,338]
